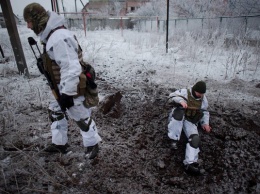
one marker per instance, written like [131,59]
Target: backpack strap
[176,95]
[53,30]
[49,35]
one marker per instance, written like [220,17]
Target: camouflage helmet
[36,14]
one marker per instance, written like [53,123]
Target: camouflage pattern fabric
[36,14]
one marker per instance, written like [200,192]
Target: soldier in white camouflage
[191,111]
[62,50]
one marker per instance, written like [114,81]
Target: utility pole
[63,8]
[53,5]
[167,26]
[76,6]
[57,4]
[14,37]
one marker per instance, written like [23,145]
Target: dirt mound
[135,155]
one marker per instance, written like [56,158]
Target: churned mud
[135,154]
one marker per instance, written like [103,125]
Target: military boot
[193,169]
[174,145]
[53,148]
[92,151]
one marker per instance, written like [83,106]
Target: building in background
[112,7]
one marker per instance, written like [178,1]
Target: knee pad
[178,114]
[55,116]
[83,125]
[194,141]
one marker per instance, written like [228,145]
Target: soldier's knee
[55,116]
[178,114]
[83,125]
[194,140]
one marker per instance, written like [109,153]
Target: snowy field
[128,57]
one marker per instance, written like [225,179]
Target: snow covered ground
[137,65]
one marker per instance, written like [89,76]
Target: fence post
[84,22]
[245,24]
[157,24]
[121,25]
[151,24]
[90,22]
[140,25]
[167,25]
[220,22]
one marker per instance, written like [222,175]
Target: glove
[91,80]
[66,101]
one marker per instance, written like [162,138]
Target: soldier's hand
[184,104]
[207,128]
[66,101]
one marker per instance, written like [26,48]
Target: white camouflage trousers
[174,132]
[59,129]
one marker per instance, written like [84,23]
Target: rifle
[177,105]
[40,66]
[192,108]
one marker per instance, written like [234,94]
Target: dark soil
[135,154]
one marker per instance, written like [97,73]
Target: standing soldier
[192,110]
[62,62]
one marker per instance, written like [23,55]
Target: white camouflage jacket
[175,96]
[63,48]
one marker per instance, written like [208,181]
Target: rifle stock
[198,109]
[174,104]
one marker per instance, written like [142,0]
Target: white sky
[18,5]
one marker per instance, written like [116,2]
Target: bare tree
[117,7]
[200,8]
[184,8]
[153,8]
[244,7]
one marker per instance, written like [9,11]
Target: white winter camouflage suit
[66,56]
[175,127]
